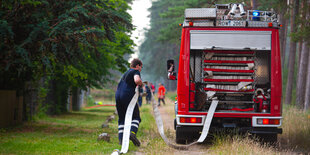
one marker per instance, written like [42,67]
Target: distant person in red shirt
[152,88]
[161,94]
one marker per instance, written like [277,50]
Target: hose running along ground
[160,125]
[203,135]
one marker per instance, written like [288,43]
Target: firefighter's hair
[135,62]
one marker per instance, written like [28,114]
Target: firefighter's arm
[138,80]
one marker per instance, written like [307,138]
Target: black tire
[180,141]
[175,124]
[179,138]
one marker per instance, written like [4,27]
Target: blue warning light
[256,15]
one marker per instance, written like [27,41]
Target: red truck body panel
[184,75]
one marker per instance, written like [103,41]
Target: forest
[52,49]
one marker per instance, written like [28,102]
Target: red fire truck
[233,56]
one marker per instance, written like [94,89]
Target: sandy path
[167,115]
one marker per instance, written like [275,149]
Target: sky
[140,20]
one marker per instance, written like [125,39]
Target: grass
[171,95]
[72,133]
[77,132]
[294,140]
[239,145]
[296,129]
[105,96]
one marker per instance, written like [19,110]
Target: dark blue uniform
[124,94]
[140,96]
[148,94]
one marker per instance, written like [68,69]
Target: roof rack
[229,15]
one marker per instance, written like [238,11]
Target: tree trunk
[30,93]
[300,89]
[307,86]
[253,4]
[51,98]
[283,32]
[77,99]
[299,50]
[302,65]
[300,43]
[292,55]
[307,49]
[57,97]
[284,43]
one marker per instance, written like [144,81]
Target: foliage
[41,99]
[303,30]
[153,52]
[82,40]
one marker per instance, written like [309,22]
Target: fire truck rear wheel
[179,137]
[186,134]
[180,141]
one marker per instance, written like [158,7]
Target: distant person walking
[140,96]
[152,88]
[148,92]
[161,93]
[124,93]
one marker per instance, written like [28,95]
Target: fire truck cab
[233,56]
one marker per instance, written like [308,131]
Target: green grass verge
[72,133]
[171,95]
[77,132]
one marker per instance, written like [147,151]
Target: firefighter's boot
[134,139]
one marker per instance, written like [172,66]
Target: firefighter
[161,93]
[171,73]
[152,88]
[140,88]
[124,93]
[148,92]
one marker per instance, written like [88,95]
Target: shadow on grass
[86,121]
[99,110]
[85,114]
[49,128]
[298,142]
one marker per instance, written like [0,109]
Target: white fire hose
[203,135]
[127,126]
[160,126]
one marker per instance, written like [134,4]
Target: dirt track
[167,114]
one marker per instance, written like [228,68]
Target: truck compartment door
[230,40]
